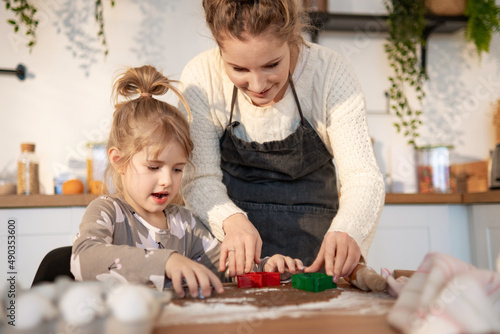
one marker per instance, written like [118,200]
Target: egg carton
[66,306]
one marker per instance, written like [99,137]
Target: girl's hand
[339,253]
[241,247]
[280,263]
[195,274]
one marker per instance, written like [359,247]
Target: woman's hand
[280,263]
[241,247]
[195,274]
[339,253]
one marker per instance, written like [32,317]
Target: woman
[270,112]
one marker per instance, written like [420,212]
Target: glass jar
[27,171]
[97,162]
[433,169]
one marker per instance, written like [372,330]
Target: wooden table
[277,310]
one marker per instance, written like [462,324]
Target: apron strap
[233,99]
[296,99]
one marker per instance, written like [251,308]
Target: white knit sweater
[332,102]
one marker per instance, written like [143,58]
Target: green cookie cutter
[313,282]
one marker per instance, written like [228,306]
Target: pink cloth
[446,295]
[394,285]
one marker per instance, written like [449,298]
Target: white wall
[65,101]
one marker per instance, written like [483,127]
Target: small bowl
[7,188]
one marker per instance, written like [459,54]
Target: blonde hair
[284,18]
[142,121]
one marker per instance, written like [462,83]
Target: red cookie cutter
[258,280]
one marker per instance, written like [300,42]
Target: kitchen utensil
[494,166]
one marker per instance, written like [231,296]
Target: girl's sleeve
[96,257]
[362,189]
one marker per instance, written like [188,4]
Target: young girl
[138,235]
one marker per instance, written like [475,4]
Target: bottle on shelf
[27,171]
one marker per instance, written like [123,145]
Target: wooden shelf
[37,201]
[378,23]
[492,196]
[488,197]
[373,24]
[392,198]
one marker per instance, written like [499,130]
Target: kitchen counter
[37,201]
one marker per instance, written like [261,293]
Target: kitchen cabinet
[407,232]
[485,234]
[38,231]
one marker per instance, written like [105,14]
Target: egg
[72,187]
[33,309]
[82,303]
[49,290]
[133,304]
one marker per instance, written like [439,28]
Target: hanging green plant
[483,21]
[99,17]
[406,23]
[24,16]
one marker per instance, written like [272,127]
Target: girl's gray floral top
[115,242]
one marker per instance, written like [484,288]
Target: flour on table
[226,310]
[260,290]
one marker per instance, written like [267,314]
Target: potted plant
[406,23]
[483,18]
[483,21]
[24,16]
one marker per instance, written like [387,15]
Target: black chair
[55,263]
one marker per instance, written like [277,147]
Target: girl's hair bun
[144,81]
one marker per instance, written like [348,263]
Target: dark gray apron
[287,187]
